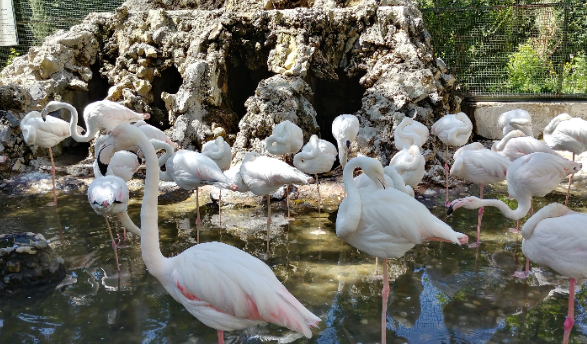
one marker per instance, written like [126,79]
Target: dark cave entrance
[169,81]
[335,97]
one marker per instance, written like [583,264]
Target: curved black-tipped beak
[382,183]
[449,210]
[44,117]
[348,144]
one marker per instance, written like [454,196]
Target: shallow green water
[440,293]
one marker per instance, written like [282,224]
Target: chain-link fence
[36,19]
[512,48]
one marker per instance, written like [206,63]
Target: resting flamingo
[532,175]
[479,165]
[410,165]
[392,178]
[100,115]
[123,164]
[452,130]
[517,119]
[108,195]
[263,175]
[287,138]
[222,286]
[154,133]
[46,134]
[557,237]
[344,129]
[385,223]
[408,133]
[567,133]
[219,151]
[516,144]
[317,156]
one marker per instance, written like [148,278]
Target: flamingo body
[516,144]
[190,170]
[286,138]
[154,133]
[410,132]
[317,156]
[45,134]
[566,133]
[392,179]
[453,130]
[517,119]
[264,175]
[410,164]
[219,151]
[344,129]
[479,165]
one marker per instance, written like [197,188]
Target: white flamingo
[517,119]
[344,129]
[222,286]
[408,133]
[317,156]
[410,164]
[557,237]
[46,134]
[385,223]
[100,115]
[392,178]
[567,133]
[516,144]
[219,151]
[452,130]
[482,166]
[533,175]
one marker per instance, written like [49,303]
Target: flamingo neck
[413,137]
[342,152]
[501,144]
[90,132]
[551,210]
[524,205]
[127,222]
[406,165]
[351,218]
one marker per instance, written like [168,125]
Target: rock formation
[236,68]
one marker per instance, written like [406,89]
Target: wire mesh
[36,19]
[512,48]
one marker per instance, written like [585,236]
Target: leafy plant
[11,56]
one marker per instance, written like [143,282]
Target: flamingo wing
[192,169]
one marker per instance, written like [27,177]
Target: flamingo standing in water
[557,237]
[452,130]
[219,151]
[567,133]
[408,133]
[287,138]
[344,129]
[479,165]
[516,144]
[317,156]
[100,115]
[517,119]
[45,133]
[385,223]
[222,286]
[534,174]
[410,165]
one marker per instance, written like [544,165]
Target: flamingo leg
[479,218]
[53,178]
[384,297]
[319,202]
[571,315]
[219,212]
[446,171]
[523,274]
[197,217]
[268,220]
[113,243]
[569,187]
[220,337]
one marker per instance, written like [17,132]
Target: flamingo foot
[520,275]
[50,204]
[474,244]
[513,230]
[569,324]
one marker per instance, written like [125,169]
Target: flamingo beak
[449,210]
[105,204]
[348,144]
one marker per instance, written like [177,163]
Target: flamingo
[287,138]
[154,133]
[263,175]
[46,134]
[103,114]
[317,156]
[567,133]
[516,144]
[479,165]
[517,119]
[392,178]
[557,237]
[534,174]
[123,164]
[108,195]
[219,151]
[385,223]
[408,133]
[222,286]
[344,129]
[409,163]
[452,130]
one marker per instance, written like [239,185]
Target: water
[440,293]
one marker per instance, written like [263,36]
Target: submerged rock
[27,261]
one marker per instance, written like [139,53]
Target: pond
[440,292]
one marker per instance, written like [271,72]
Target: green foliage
[11,56]
[575,79]
[528,72]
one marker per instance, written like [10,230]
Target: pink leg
[268,220]
[569,187]
[220,337]
[384,297]
[446,171]
[571,315]
[197,216]
[53,178]
[219,212]
[113,243]
[522,274]
[319,202]
[287,200]
[517,229]
[479,217]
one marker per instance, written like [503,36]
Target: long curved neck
[406,165]
[459,131]
[415,138]
[398,182]
[551,210]
[216,155]
[553,124]
[90,132]
[524,205]
[342,152]
[352,218]
[127,222]
[501,144]
[150,248]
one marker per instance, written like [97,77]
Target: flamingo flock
[228,289]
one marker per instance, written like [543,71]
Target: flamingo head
[51,107]
[348,144]
[467,202]
[124,137]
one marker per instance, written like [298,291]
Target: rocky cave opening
[169,81]
[335,97]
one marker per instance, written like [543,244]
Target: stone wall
[235,68]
